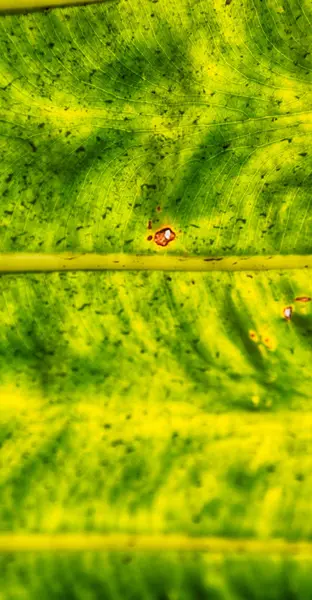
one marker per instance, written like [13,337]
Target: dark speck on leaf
[81,149]
[84,306]
[116,443]
[148,186]
[211,259]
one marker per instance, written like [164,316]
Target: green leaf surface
[156,403]
[164,402]
[142,577]
[213,340]
[199,110]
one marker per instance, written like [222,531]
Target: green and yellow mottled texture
[162,338]
[156,402]
[152,576]
[201,108]
[160,577]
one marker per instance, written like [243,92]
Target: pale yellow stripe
[14,263]
[25,5]
[126,543]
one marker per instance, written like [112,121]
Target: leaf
[111,111]
[165,401]
[125,390]
[120,576]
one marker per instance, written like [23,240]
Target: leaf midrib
[13,6]
[135,543]
[41,262]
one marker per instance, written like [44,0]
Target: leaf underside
[157,402]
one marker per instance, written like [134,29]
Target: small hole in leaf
[164,236]
[287,312]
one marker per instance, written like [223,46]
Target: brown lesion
[303,299]
[164,236]
[268,343]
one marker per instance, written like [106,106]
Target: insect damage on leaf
[287,312]
[164,236]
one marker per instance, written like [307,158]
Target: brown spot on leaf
[303,299]
[268,343]
[158,209]
[150,226]
[164,236]
[150,237]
